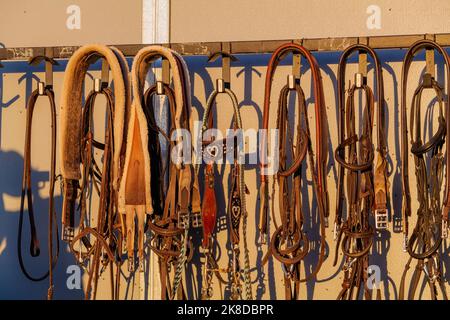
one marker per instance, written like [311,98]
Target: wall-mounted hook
[49,63]
[429,60]
[224,82]
[2,55]
[361,75]
[165,76]
[103,82]
[294,78]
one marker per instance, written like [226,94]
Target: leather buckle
[183,220]
[381,219]
[196,219]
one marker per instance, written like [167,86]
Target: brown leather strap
[412,51]
[289,244]
[168,192]
[366,194]
[426,238]
[27,192]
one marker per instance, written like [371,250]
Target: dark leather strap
[426,238]
[28,193]
[289,243]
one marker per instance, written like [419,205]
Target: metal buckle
[68,234]
[183,220]
[405,243]
[196,219]
[222,224]
[381,219]
[444,234]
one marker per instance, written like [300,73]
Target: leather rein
[44,90]
[366,183]
[424,244]
[289,243]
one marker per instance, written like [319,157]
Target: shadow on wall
[13,284]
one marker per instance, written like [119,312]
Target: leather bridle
[171,208]
[213,150]
[289,243]
[366,183]
[431,226]
[44,90]
[77,148]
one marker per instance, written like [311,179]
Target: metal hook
[429,74]
[103,82]
[49,63]
[224,82]
[294,78]
[165,76]
[361,76]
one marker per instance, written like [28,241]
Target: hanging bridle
[96,247]
[152,184]
[289,243]
[431,227]
[366,183]
[44,89]
[236,210]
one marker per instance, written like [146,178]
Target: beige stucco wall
[50,23]
[215,20]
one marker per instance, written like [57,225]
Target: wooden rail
[240,47]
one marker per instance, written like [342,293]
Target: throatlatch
[44,89]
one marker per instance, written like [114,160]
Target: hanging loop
[224,82]
[49,63]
